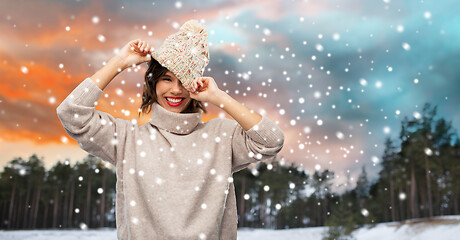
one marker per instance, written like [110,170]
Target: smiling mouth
[174,102]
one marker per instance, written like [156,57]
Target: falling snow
[24,70]
[95,19]
[101,38]
[336,97]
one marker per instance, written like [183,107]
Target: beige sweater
[174,174]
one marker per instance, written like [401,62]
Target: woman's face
[168,89]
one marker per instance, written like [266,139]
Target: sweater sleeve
[263,141]
[96,132]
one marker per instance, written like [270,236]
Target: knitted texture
[185,53]
[173,173]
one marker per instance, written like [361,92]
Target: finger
[141,46]
[132,46]
[144,45]
[133,42]
[147,48]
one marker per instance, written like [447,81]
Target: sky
[338,76]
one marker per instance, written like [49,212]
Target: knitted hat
[185,53]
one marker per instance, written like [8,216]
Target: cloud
[26,120]
[278,71]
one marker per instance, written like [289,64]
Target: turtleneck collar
[179,123]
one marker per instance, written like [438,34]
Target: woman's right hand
[135,52]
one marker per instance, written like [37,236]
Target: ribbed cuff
[266,131]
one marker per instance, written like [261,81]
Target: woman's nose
[177,87]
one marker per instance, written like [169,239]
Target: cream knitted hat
[185,53]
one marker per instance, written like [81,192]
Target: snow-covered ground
[439,228]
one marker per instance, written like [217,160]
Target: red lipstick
[174,104]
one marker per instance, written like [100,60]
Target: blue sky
[303,61]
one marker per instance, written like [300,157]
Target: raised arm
[134,52]
[246,117]
[255,137]
[97,132]
[205,89]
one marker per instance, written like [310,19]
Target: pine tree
[341,223]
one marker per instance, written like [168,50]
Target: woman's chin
[176,109]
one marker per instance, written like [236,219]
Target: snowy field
[440,228]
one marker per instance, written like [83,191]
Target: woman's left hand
[205,89]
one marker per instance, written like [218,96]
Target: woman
[174,174]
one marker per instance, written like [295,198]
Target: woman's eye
[167,79]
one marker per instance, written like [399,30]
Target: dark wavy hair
[154,72]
